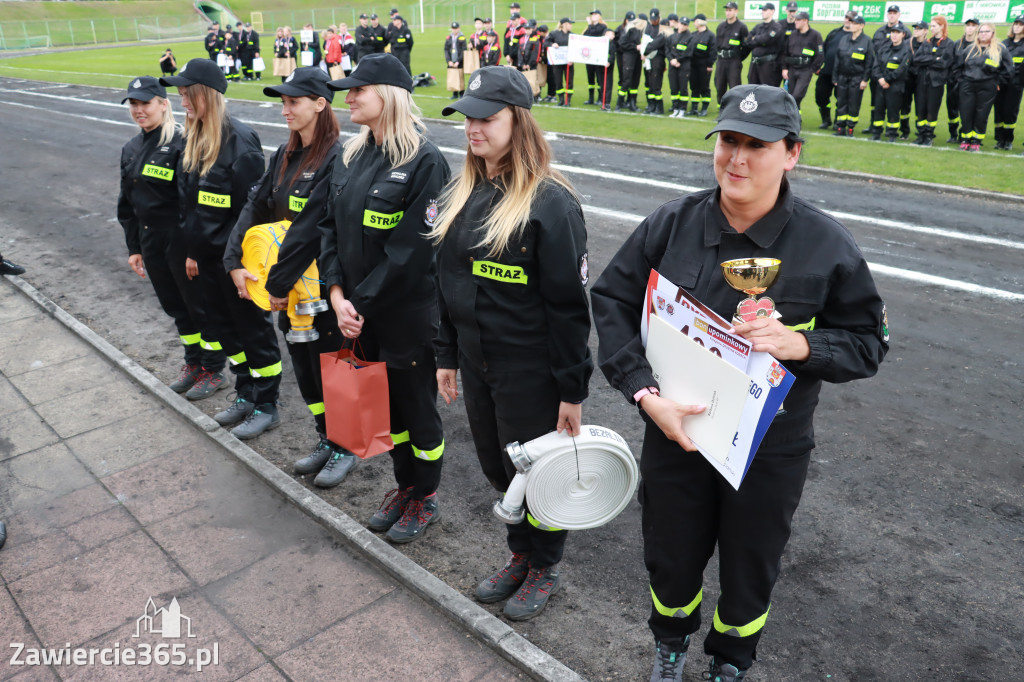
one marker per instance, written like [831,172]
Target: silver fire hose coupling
[570,483]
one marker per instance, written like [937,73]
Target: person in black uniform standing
[702,63]
[596,28]
[805,53]
[223,160]
[654,69]
[892,67]
[981,70]
[214,41]
[147,209]
[491,54]
[729,41]
[380,35]
[230,50]
[823,85]
[296,169]
[528,57]
[919,33]
[765,42]
[825,290]
[514,315]
[934,59]
[563,75]
[881,39]
[379,269]
[855,59]
[400,39]
[1008,98]
[679,61]
[454,54]
[248,50]
[627,40]
[953,85]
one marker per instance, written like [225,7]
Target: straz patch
[512,274]
[381,221]
[430,215]
[216,200]
[158,172]
[584,269]
[296,204]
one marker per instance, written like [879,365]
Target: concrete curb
[490,630]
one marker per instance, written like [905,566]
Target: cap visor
[286,90]
[754,130]
[474,107]
[177,81]
[141,96]
[346,83]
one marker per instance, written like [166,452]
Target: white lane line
[71,114]
[898,273]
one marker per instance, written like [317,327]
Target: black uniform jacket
[729,40]
[491,54]
[829,47]
[274,200]
[248,42]
[765,39]
[976,65]
[679,48]
[149,187]
[286,47]
[210,205]
[455,48]
[703,47]
[804,51]
[627,38]
[934,59]
[1016,50]
[854,58]
[528,55]
[892,62]
[824,283]
[372,218]
[400,39]
[525,309]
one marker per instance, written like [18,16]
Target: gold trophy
[752,276]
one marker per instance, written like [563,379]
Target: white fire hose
[570,483]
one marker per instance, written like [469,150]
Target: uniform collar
[763,233]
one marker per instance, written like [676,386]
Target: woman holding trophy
[826,323]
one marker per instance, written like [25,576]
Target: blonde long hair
[168,126]
[401,127]
[524,168]
[203,136]
[995,48]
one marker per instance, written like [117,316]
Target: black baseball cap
[893,8]
[201,70]
[565,20]
[972,20]
[490,90]
[921,24]
[655,13]
[1019,19]
[543,28]
[731,5]
[791,6]
[672,17]
[595,11]
[630,16]
[397,17]
[699,17]
[514,5]
[374,16]
[531,23]
[802,15]
[764,112]
[768,5]
[363,16]
[455,24]
[376,69]
[144,88]
[488,20]
[306,80]
[685,21]
[642,16]
[859,19]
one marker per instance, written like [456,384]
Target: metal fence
[20,35]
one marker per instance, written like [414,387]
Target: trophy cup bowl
[752,276]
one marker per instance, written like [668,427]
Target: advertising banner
[996,11]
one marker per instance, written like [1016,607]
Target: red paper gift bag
[356,403]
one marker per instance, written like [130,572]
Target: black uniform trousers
[953,107]
[594,74]
[886,112]
[415,423]
[655,80]
[909,92]
[163,254]
[1007,108]
[874,88]
[245,332]
[728,74]
[799,83]
[247,58]
[976,100]
[507,406]
[848,99]
[688,508]
[700,84]
[823,90]
[403,56]
[629,79]
[763,72]
[678,85]
[605,84]
[306,362]
[562,76]
[927,102]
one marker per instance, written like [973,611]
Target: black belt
[763,59]
[799,60]
[728,54]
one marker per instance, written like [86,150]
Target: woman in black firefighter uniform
[702,63]
[981,70]
[222,162]
[892,67]
[679,58]
[563,74]
[837,331]
[147,209]
[855,58]
[933,59]
[1008,98]
[514,315]
[379,269]
[295,169]
[627,39]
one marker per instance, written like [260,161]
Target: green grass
[943,164]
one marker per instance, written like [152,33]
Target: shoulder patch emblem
[584,269]
[430,216]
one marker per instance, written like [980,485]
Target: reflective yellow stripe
[892,65]
[316,408]
[991,62]
[1018,60]
[741,630]
[237,359]
[538,525]
[158,172]
[217,200]
[512,274]
[858,56]
[268,371]
[381,221]
[680,612]
[809,52]
[429,455]
[399,438]
[210,345]
[701,46]
[296,203]
[807,327]
[733,41]
[191,339]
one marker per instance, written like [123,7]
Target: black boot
[649,109]
[929,135]
[632,104]
[876,135]
[590,96]
[840,130]
[826,118]
[953,133]
[621,103]
[704,108]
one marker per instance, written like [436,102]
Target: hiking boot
[532,596]
[503,583]
[391,509]
[669,657]
[417,516]
[186,378]
[237,413]
[263,418]
[9,268]
[207,383]
[876,136]
[336,469]
[315,460]
[720,671]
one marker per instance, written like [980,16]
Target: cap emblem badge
[290,77]
[137,83]
[749,104]
[475,84]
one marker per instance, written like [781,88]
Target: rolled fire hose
[259,252]
[570,483]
